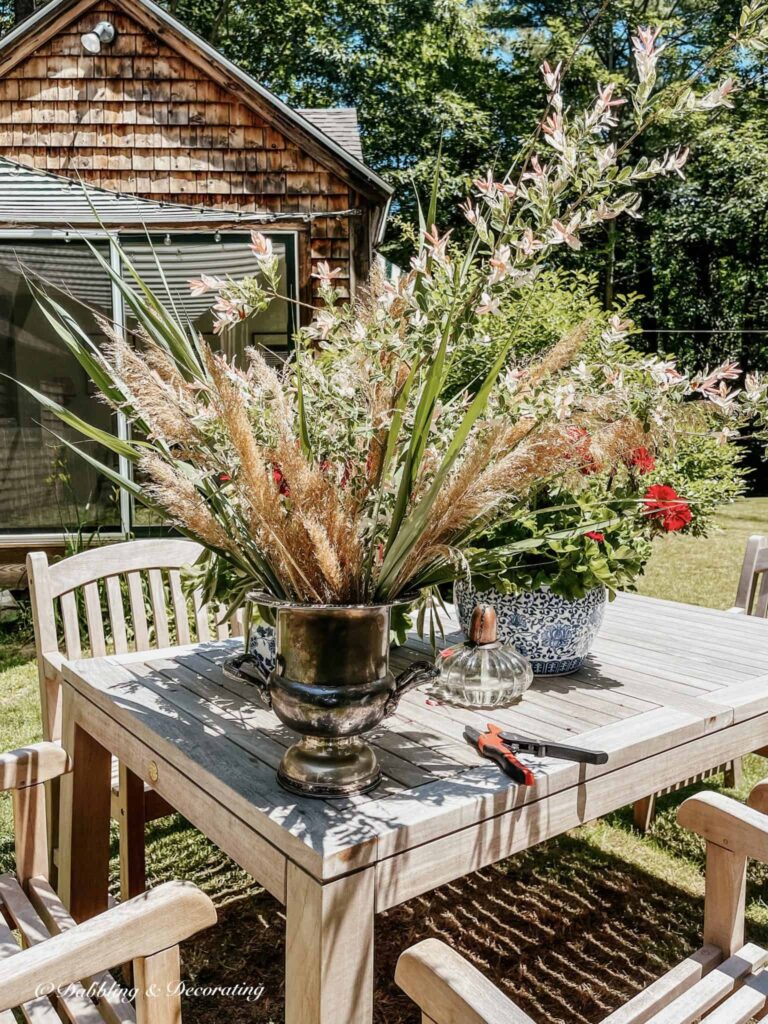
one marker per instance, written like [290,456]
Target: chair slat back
[752,592]
[132,598]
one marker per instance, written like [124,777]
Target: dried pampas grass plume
[183,502]
[560,356]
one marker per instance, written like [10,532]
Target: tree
[695,254]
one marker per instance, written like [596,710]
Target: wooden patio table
[669,691]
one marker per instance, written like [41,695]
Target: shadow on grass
[667,834]
[567,930]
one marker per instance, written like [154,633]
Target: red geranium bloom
[596,536]
[642,460]
[277,476]
[667,508]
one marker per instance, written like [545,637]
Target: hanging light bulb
[217,236]
[102,34]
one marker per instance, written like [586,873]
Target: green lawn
[570,929]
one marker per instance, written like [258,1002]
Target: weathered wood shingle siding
[141,118]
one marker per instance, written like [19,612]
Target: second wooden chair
[138,585]
[724,982]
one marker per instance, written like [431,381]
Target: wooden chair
[724,982]
[752,591]
[139,585]
[55,952]
[751,599]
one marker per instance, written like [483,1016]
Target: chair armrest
[31,765]
[758,798]
[449,990]
[726,823]
[145,925]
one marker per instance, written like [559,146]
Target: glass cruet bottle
[483,672]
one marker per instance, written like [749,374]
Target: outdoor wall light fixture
[103,33]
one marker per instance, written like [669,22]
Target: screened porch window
[184,259]
[44,487]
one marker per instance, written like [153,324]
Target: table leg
[130,820]
[84,820]
[329,948]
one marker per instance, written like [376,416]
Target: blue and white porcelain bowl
[263,647]
[555,634]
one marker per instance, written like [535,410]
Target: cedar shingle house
[118,108]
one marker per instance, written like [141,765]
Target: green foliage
[708,474]
[558,302]
[467,72]
[613,557]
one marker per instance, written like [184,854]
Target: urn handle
[246,670]
[417,674]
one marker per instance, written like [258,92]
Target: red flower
[667,508]
[596,536]
[642,460]
[223,478]
[277,476]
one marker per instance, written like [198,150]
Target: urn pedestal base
[320,766]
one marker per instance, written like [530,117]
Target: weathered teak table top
[669,691]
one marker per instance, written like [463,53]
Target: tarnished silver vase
[332,684]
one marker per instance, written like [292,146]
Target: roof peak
[27,34]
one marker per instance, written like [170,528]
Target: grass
[570,929]
[705,571]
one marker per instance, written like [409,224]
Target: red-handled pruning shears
[503,746]
[491,744]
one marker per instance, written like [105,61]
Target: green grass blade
[413,525]
[128,449]
[425,408]
[78,343]
[303,429]
[433,198]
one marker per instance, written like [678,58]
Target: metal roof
[355,162]
[33,198]
[340,123]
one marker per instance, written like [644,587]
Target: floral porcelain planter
[555,634]
[263,647]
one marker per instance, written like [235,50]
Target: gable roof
[323,128]
[340,123]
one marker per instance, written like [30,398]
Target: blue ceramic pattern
[264,647]
[555,634]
